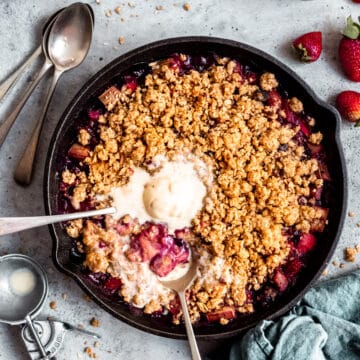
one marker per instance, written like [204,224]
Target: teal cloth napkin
[324,325]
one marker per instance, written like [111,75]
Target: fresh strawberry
[309,46]
[348,104]
[349,50]
[306,243]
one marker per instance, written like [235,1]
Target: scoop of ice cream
[174,198]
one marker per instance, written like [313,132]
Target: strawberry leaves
[352,29]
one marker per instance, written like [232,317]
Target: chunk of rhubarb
[227,312]
[280,280]
[110,97]
[78,152]
[162,265]
[306,243]
[112,284]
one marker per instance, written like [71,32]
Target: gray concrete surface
[269,25]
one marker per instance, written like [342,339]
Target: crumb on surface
[121,40]
[342,265]
[118,10]
[52,305]
[97,1]
[351,214]
[80,326]
[86,298]
[96,344]
[159,8]
[335,263]
[186,6]
[325,272]
[89,352]
[108,13]
[350,254]
[64,296]
[94,322]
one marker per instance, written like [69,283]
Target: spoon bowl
[69,39]
[65,46]
[180,285]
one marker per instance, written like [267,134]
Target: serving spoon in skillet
[9,225]
[180,285]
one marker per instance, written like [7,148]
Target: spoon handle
[9,225]
[9,121]
[11,80]
[195,354]
[24,168]
[36,337]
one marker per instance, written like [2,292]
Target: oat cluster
[259,173]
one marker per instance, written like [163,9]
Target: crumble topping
[260,178]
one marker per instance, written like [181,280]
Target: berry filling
[151,244]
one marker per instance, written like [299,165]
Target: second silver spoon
[68,43]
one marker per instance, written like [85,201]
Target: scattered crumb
[97,1]
[350,254]
[64,296]
[87,298]
[80,326]
[358,266]
[159,8]
[85,342]
[351,214]
[90,353]
[53,305]
[325,272]
[186,6]
[79,356]
[335,263]
[121,40]
[357,247]
[342,265]
[358,224]
[131,5]
[96,344]
[118,10]
[122,19]
[108,13]
[94,322]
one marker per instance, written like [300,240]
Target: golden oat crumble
[296,105]
[217,116]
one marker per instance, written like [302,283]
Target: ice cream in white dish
[172,195]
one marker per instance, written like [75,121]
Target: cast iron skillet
[328,122]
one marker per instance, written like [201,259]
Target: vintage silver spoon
[9,121]
[9,225]
[11,80]
[68,43]
[180,285]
